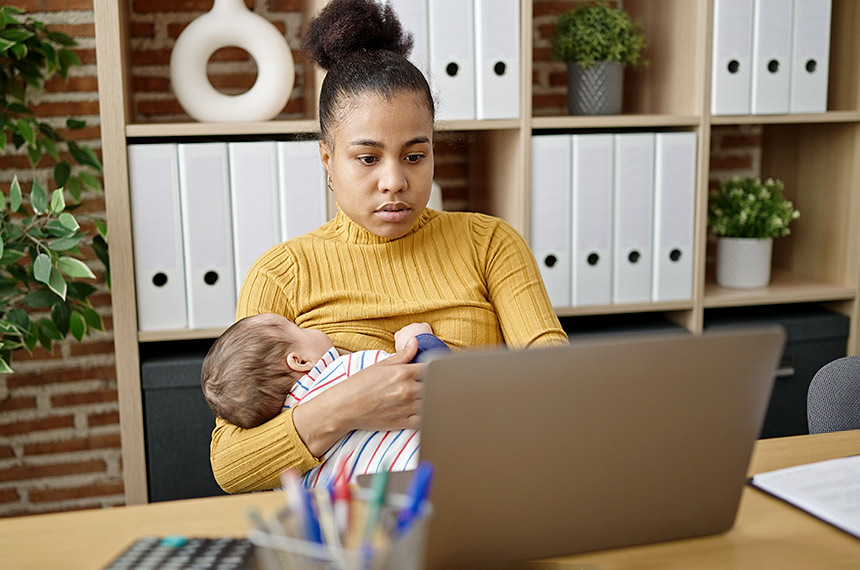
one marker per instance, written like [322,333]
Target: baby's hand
[402,336]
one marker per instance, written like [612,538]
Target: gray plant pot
[596,90]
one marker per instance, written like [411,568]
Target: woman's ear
[298,364]
[325,154]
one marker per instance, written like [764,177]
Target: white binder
[771,74]
[632,218]
[253,202]
[731,62]
[303,188]
[810,56]
[452,61]
[204,186]
[413,16]
[157,233]
[497,59]
[674,215]
[591,203]
[550,214]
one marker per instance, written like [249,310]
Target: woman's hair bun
[344,27]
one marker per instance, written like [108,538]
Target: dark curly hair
[363,46]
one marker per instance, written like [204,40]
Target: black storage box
[814,337]
[178,426]
[581,328]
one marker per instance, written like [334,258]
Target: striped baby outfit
[365,451]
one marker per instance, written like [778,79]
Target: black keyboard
[181,553]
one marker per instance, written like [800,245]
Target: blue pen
[419,490]
[300,501]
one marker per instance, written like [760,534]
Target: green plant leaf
[75,268]
[38,198]
[42,268]
[58,201]
[61,315]
[4,366]
[62,39]
[11,256]
[73,185]
[40,299]
[62,171]
[80,290]
[32,338]
[51,148]
[16,35]
[2,246]
[93,319]
[2,199]
[101,226]
[68,221]
[85,155]
[6,45]
[75,124]
[78,326]
[90,181]
[19,318]
[15,197]
[35,155]
[25,129]
[19,51]
[57,284]
[65,244]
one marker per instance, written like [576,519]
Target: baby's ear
[297,363]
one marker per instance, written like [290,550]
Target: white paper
[830,490]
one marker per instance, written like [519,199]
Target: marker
[300,504]
[419,490]
[374,506]
[341,497]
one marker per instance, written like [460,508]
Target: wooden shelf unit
[815,154]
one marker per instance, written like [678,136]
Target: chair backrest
[833,399]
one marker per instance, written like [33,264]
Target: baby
[265,363]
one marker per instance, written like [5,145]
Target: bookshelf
[815,154]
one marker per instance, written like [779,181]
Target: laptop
[606,443]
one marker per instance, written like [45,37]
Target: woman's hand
[386,395]
[402,336]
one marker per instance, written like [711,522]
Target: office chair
[833,399]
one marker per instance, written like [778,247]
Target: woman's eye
[413,158]
[367,159]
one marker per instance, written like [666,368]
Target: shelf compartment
[614,121]
[785,287]
[624,308]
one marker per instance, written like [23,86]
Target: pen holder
[277,546]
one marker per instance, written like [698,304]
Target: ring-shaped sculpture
[230,23]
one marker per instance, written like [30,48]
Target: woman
[383,261]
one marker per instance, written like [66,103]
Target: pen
[300,503]
[419,490]
[341,497]
[374,506]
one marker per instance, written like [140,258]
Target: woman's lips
[393,212]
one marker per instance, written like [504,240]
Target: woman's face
[381,161]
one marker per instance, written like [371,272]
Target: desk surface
[767,534]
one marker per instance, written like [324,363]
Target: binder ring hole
[811,66]
[634,256]
[773,66]
[159,279]
[210,278]
[675,254]
[500,68]
[452,69]
[592,259]
[550,260]
[734,66]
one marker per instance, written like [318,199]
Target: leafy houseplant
[597,42]
[746,214]
[40,239]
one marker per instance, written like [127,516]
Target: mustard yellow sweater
[471,276]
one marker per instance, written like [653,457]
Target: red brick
[558,79]
[61,376]
[552,100]
[86,55]
[106,419]
[730,162]
[72,84]
[53,5]
[80,398]
[67,109]
[542,54]
[161,107]
[548,7]
[151,57]
[450,171]
[157,84]
[144,6]
[24,403]
[107,441]
[740,141]
[75,30]
[9,496]
[142,29]
[233,80]
[6,452]
[230,54]
[286,5]
[67,493]
[50,470]
[90,133]
[86,348]
[40,424]
[545,31]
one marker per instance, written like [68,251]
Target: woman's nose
[392,178]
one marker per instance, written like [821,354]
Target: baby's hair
[245,373]
[363,46]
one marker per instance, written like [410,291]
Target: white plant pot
[743,263]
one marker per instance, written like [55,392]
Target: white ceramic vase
[743,263]
[230,23]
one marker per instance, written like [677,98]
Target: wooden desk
[768,533]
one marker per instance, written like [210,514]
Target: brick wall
[59,425]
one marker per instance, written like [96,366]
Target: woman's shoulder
[481,227]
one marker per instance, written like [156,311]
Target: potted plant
[597,42]
[41,241]
[745,214]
